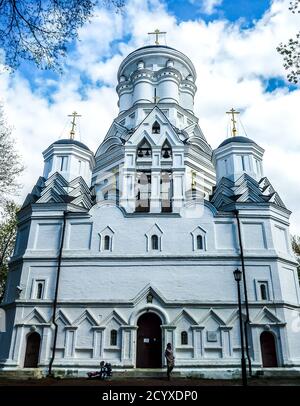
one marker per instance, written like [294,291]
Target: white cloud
[207,6]
[232,66]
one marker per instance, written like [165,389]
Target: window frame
[107,239]
[154,241]
[63,163]
[113,338]
[184,338]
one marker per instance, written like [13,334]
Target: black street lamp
[238,277]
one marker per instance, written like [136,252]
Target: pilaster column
[155,201]
[197,334]
[70,341]
[128,344]
[46,344]
[168,336]
[128,190]
[98,342]
[226,341]
[178,196]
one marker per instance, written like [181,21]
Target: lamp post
[238,277]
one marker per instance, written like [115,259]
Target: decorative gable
[266,316]
[86,316]
[212,321]
[114,319]
[184,319]
[35,317]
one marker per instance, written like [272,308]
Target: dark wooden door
[268,350]
[32,351]
[149,345]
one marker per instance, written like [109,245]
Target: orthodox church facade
[124,251]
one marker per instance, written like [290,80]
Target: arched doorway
[149,350]
[32,350]
[268,350]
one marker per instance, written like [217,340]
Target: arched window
[113,337]
[199,242]
[154,242]
[107,243]
[156,128]
[263,292]
[39,290]
[184,338]
[144,150]
[166,150]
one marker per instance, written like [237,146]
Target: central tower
[154,157]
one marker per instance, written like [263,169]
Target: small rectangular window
[39,289]
[63,162]
[263,290]
[243,163]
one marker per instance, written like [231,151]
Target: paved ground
[145,382]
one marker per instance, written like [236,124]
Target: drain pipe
[247,321]
[56,294]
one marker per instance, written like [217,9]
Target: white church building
[123,251]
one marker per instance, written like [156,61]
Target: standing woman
[170,359]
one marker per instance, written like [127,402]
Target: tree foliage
[40,30]
[291,50]
[10,165]
[296,249]
[8,231]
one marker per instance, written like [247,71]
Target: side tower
[266,255]
[155,151]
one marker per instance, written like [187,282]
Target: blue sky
[233,47]
[244,12]
[231,10]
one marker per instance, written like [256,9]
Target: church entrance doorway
[149,350]
[32,351]
[268,350]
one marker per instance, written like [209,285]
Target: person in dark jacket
[170,359]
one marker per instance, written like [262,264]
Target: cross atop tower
[73,123]
[233,113]
[157,33]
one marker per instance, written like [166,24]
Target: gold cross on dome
[233,113]
[157,33]
[73,123]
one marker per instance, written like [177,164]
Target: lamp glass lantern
[237,275]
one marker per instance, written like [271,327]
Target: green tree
[10,165]
[291,50]
[8,231]
[40,30]
[296,249]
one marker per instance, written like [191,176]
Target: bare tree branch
[40,30]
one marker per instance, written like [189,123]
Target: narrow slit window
[113,337]
[39,290]
[63,161]
[243,163]
[199,242]
[154,242]
[184,338]
[263,291]
[107,243]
